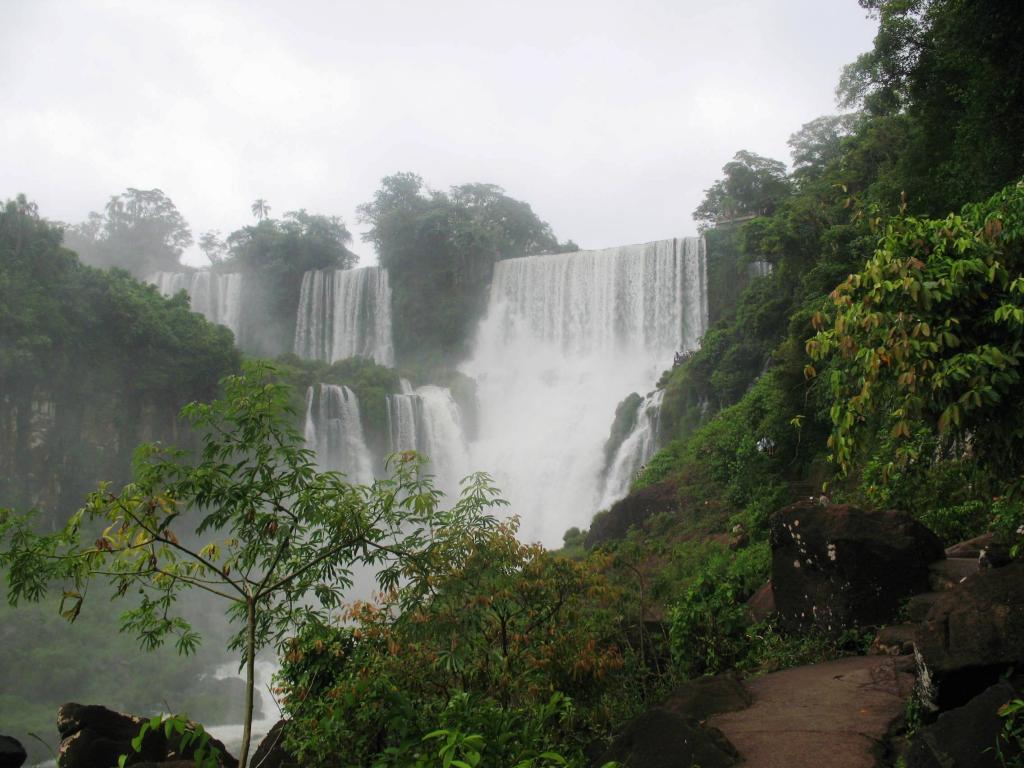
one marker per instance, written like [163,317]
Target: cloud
[609,119]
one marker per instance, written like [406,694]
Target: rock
[995,555]
[966,735]
[702,697]
[973,633]
[895,640]
[919,605]
[838,567]
[12,754]
[661,738]
[761,604]
[270,753]
[948,573]
[92,735]
[632,512]
[972,547]
[830,715]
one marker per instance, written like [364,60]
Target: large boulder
[92,735]
[661,738]
[270,752]
[838,567]
[972,634]
[966,735]
[12,754]
[632,512]
[702,697]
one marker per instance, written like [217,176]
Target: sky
[609,118]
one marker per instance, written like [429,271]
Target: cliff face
[56,446]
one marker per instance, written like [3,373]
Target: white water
[564,339]
[428,420]
[217,296]
[334,430]
[634,451]
[270,712]
[345,313]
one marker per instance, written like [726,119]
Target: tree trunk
[250,677]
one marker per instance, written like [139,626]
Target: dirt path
[831,714]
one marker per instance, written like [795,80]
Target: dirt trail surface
[831,714]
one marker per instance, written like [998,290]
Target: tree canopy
[139,230]
[753,185]
[440,249]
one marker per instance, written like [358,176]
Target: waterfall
[428,420]
[634,451]
[345,313]
[334,430]
[759,268]
[215,295]
[564,338]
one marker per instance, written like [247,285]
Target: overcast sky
[609,118]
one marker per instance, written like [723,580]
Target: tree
[213,247]
[753,186]
[260,209]
[140,230]
[274,538]
[440,249]
[819,143]
[953,67]
[929,333]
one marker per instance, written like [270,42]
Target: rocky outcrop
[674,733]
[702,697]
[967,735]
[972,634]
[839,567]
[12,754]
[632,512]
[661,738]
[270,753]
[92,735]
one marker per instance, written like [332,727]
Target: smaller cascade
[759,268]
[216,296]
[335,431]
[345,313]
[634,451]
[428,420]
[401,409]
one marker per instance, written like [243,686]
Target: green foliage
[488,637]
[1008,523]
[439,249]
[929,330]
[91,362]
[190,739]
[276,539]
[1011,736]
[709,623]
[140,230]
[951,68]
[753,186]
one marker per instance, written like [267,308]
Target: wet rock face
[973,633]
[838,567]
[632,512]
[12,754]
[966,735]
[661,738]
[92,736]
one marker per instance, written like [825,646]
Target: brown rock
[761,604]
[970,548]
[973,633]
[839,567]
